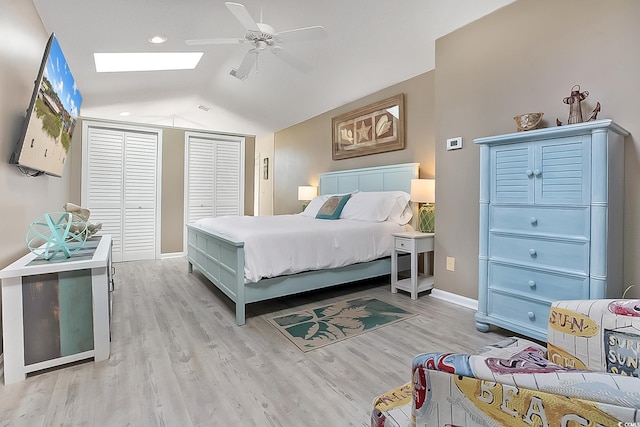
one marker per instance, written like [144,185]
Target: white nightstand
[414,243]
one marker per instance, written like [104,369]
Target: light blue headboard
[379,178]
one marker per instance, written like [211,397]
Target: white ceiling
[371,44]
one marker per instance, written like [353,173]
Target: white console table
[61,281]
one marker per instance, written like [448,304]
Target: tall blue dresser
[551,222]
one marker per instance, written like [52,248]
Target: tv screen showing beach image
[53,116]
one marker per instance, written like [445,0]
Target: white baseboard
[455,298]
[172,255]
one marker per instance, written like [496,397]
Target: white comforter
[287,244]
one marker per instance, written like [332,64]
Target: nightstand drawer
[537,283]
[403,244]
[515,309]
[423,244]
[568,255]
[542,220]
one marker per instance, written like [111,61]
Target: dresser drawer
[571,256]
[516,310]
[544,220]
[537,283]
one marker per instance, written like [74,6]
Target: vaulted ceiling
[370,45]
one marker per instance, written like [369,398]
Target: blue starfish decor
[56,233]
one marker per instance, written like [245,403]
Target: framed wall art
[376,128]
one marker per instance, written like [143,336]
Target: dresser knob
[532,315]
[532,284]
[537,172]
[532,252]
[529,172]
[533,220]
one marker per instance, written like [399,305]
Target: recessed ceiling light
[157,39]
[125,113]
[146,61]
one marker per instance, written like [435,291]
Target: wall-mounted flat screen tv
[51,117]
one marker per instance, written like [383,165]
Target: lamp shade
[307,192]
[423,190]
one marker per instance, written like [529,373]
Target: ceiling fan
[262,37]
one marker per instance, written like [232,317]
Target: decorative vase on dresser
[551,222]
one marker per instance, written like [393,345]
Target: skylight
[146,61]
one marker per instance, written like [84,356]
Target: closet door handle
[537,172]
[529,172]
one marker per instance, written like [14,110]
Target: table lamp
[306,193]
[423,192]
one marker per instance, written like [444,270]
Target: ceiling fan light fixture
[262,37]
[234,73]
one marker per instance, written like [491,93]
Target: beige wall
[172,196]
[264,183]
[304,150]
[523,58]
[23,199]
[172,207]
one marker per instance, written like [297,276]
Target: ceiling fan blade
[241,14]
[199,42]
[303,34]
[291,59]
[245,67]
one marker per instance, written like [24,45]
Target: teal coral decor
[315,328]
[56,233]
[427,218]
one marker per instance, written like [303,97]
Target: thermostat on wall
[454,143]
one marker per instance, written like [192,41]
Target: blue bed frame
[221,259]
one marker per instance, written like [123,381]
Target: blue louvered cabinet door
[554,171]
[510,182]
[561,171]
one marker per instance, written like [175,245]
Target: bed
[221,258]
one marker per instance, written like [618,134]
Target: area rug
[317,327]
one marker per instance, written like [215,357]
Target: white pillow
[314,205]
[377,206]
[401,212]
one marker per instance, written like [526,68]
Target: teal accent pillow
[332,208]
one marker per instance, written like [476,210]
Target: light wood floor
[178,359]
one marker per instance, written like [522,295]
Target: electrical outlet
[451,263]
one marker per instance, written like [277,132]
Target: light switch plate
[454,143]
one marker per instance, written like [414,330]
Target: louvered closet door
[119,188]
[227,189]
[214,176]
[139,233]
[103,185]
[200,179]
